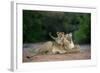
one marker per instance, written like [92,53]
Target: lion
[63,43]
[59,37]
[69,44]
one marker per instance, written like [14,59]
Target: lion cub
[59,38]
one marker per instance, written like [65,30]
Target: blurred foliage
[38,24]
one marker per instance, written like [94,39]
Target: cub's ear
[57,32]
[70,34]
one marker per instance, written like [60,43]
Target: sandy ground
[28,50]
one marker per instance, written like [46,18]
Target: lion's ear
[70,34]
[57,32]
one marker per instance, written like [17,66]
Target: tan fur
[61,45]
[59,37]
[57,49]
[67,42]
[53,47]
[74,50]
[46,48]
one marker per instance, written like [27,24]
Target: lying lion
[62,44]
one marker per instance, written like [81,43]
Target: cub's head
[60,34]
[59,39]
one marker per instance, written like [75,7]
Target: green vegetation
[37,25]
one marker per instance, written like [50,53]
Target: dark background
[38,24]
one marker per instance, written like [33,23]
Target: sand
[28,52]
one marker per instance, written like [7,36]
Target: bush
[37,25]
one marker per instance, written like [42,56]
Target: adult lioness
[69,45]
[68,42]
